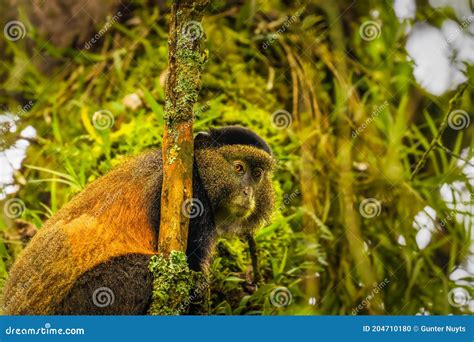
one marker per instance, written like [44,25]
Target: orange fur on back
[109,218]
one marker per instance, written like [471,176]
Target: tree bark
[182,88]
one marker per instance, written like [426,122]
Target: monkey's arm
[253,257]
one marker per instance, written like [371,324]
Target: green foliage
[336,81]
[173,283]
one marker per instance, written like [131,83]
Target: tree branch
[182,89]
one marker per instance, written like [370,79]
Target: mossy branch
[173,280]
[182,89]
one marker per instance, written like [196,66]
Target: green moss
[173,153]
[188,81]
[187,55]
[173,284]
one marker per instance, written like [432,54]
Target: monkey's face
[245,180]
[237,180]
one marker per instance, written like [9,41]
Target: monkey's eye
[258,173]
[239,167]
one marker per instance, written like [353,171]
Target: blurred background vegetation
[331,87]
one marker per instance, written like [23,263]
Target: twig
[442,128]
[447,150]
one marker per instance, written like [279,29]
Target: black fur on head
[230,135]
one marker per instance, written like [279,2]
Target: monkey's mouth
[241,209]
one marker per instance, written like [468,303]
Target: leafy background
[322,254]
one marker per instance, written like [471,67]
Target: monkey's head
[235,166]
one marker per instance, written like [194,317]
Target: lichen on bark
[173,285]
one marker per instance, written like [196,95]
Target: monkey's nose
[247,191]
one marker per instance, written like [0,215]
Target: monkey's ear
[202,139]
[202,134]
